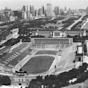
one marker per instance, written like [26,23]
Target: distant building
[87,10]
[5,14]
[41,12]
[79,12]
[24,15]
[17,14]
[56,11]
[32,10]
[59,34]
[24,8]
[86,42]
[25,12]
[49,11]
[61,12]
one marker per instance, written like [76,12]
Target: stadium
[42,56]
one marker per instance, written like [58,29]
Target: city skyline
[17,4]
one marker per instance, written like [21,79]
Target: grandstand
[51,43]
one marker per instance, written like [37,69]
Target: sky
[17,4]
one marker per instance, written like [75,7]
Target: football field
[38,64]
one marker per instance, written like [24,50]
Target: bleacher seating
[53,42]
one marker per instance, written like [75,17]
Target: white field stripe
[4,73]
[22,63]
[55,62]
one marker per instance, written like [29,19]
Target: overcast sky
[17,4]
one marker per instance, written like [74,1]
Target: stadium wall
[53,43]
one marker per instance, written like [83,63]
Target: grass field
[52,52]
[38,64]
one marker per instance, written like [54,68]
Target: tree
[5,80]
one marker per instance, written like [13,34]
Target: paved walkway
[66,61]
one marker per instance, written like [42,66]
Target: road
[76,21]
[85,25]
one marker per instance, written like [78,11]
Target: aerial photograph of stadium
[43,43]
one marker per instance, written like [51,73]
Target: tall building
[25,12]
[87,10]
[17,14]
[24,8]
[49,11]
[61,12]
[28,12]
[32,10]
[65,10]
[5,15]
[41,12]
[56,11]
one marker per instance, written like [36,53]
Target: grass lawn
[38,64]
[52,52]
